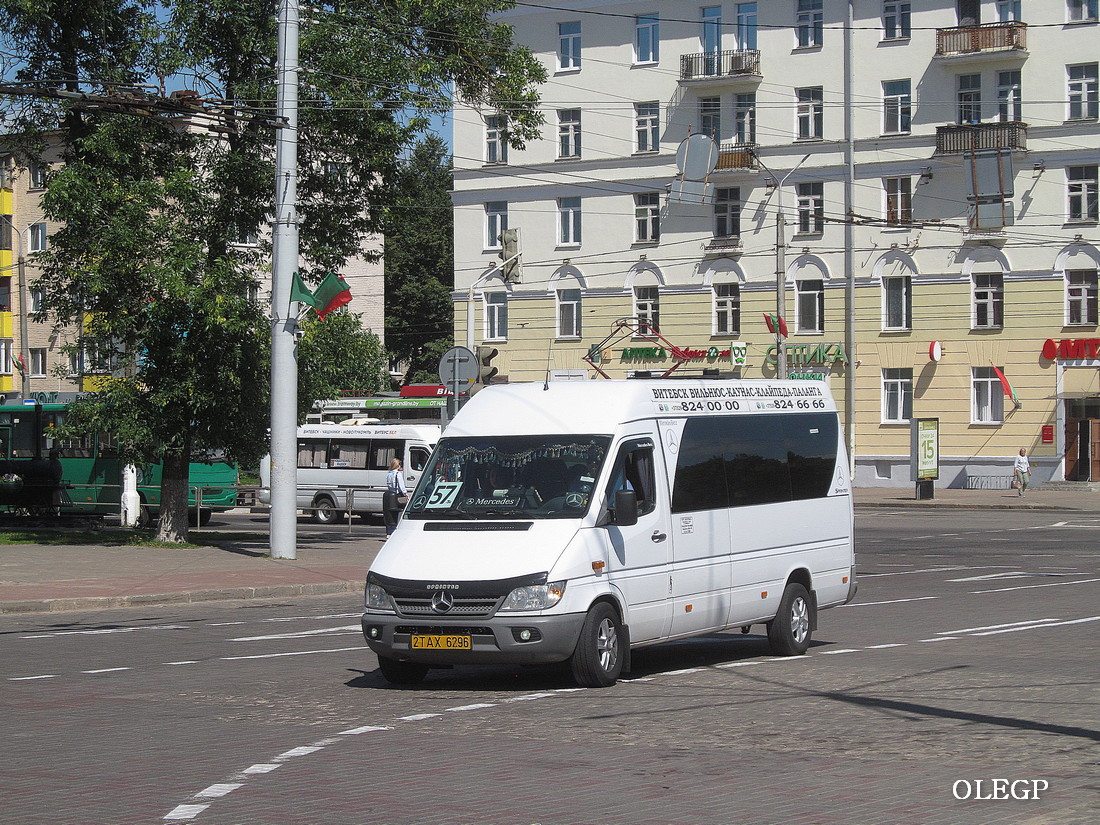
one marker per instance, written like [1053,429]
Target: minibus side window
[634,471]
[811,452]
[418,459]
[350,455]
[313,453]
[383,451]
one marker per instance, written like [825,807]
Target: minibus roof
[600,406]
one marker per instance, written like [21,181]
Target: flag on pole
[1007,387]
[776,323]
[19,363]
[300,292]
[332,293]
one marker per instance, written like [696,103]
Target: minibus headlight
[534,597]
[377,598]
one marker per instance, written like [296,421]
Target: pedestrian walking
[1021,471]
[397,495]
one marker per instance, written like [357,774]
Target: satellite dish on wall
[697,157]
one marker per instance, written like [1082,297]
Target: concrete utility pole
[284,323]
[781,273]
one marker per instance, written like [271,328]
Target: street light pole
[781,272]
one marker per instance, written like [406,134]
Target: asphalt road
[969,657]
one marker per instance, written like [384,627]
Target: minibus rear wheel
[598,659]
[789,631]
[402,673]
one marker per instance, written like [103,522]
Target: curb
[275,591]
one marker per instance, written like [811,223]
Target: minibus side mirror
[626,508]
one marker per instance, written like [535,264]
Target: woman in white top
[395,483]
[1021,469]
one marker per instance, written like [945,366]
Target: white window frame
[647,308]
[496,221]
[1083,91]
[1082,194]
[726,318]
[897,395]
[968,99]
[897,106]
[39,361]
[1081,298]
[727,212]
[710,117]
[568,306]
[7,351]
[810,113]
[647,126]
[37,237]
[36,173]
[1082,11]
[495,305]
[899,200]
[896,20]
[744,117]
[711,31]
[496,138]
[569,46]
[38,297]
[647,39]
[1009,96]
[897,302]
[987,299]
[987,398]
[647,217]
[810,305]
[569,221]
[746,29]
[569,133]
[811,208]
[1008,11]
[809,23]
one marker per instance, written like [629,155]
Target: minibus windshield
[528,476]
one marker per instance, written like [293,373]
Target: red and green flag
[1007,387]
[331,294]
[776,324]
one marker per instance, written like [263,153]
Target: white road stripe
[1040,626]
[364,729]
[892,601]
[221,789]
[260,768]
[106,670]
[350,628]
[416,717]
[184,812]
[103,631]
[477,706]
[294,653]
[31,678]
[302,751]
[1034,586]
[995,626]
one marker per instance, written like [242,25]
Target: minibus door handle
[658,536]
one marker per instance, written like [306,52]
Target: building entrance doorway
[1083,439]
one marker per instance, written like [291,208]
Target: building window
[647,308]
[569,221]
[989,296]
[6,352]
[727,213]
[969,98]
[746,25]
[988,406]
[897,395]
[38,237]
[1081,297]
[1009,102]
[1081,11]
[647,38]
[569,45]
[37,174]
[496,221]
[1082,190]
[809,23]
[647,126]
[1084,97]
[38,299]
[744,117]
[811,305]
[897,106]
[38,362]
[496,139]
[895,20]
[496,316]
[569,133]
[647,217]
[569,313]
[710,117]
[1008,11]
[5,231]
[811,208]
[727,309]
[811,113]
[899,200]
[711,36]
[897,300]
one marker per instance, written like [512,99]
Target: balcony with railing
[982,39]
[736,156]
[712,67]
[958,139]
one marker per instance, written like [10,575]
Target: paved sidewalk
[38,578]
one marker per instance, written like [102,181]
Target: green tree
[419,252]
[337,356]
[152,204]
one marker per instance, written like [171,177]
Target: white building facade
[890,176]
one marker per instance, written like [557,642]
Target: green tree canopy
[337,356]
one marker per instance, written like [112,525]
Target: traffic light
[485,370]
[511,268]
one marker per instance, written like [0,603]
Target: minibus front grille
[438,630]
[410,606]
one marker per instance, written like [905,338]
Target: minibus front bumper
[508,639]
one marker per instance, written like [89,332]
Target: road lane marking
[301,634]
[1040,626]
[1034,586]
[31,678]
[215,791]
[997,626]
[292,653]
[184,812]
[104,631]
[106,670]
[891,601]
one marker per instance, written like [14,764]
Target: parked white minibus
[338,461]
[577,520]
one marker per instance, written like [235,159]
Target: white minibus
[573,521]
[338,461]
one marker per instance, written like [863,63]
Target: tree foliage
[152,205]
[337,356]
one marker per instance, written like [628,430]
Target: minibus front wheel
[789,631]
[324,510]
[598,658]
